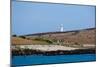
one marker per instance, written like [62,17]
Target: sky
[35,17]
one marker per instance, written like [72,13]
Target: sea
[40,60]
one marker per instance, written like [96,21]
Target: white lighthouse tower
[61,28]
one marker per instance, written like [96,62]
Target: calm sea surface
[35,60]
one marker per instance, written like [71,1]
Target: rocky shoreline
[26,52]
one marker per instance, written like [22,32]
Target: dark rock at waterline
[49,53]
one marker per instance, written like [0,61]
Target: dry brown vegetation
[81,37]
[21,41]
[74,37]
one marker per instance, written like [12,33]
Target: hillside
[85,36]
[22,41]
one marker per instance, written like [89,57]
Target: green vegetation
[22,37]
[44,40]
[14,35]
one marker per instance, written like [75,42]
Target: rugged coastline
[49,53]
[50,50]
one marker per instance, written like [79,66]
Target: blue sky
[32,17]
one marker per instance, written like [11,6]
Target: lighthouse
[61,28]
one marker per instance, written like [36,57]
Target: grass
[25,41]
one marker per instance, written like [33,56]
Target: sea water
[36,59]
